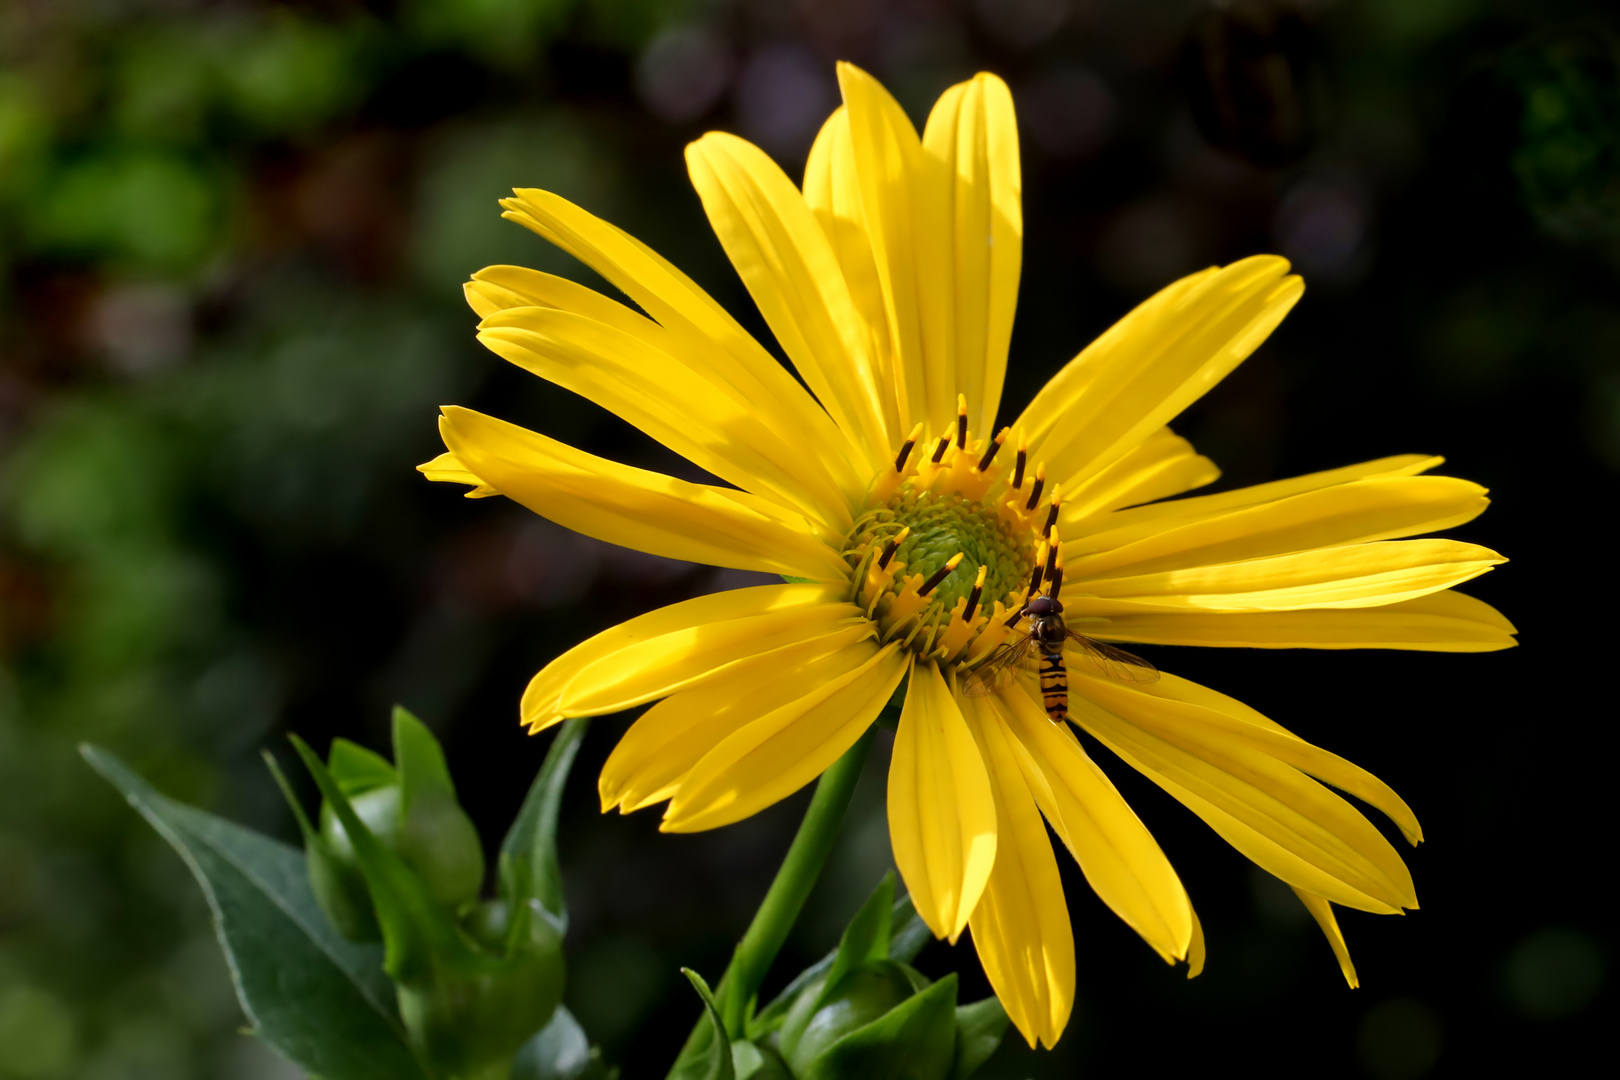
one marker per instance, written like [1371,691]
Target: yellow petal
[1322,912]
[1444,621]
[1234,720]
[1196,953]
[542,699]
[1122,862]
[635,508]
[1164,464]
[657,667]
[903,198]
[658,393]
[832,189]
[782,255]
[676,303]
[1365,510]
[1125,526]
[1284,821]
[973,134]
[1360,575]
[1021,925]
[1155,362]
[942,815]
[671,737]
[769,759]
[448,469]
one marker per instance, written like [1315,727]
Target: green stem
[780,909]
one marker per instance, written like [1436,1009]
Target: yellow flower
[910,530]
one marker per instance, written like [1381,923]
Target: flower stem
[780,908]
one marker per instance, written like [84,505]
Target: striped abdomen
[1055,686]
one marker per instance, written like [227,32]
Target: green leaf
[979,1028]
[321,1001]
[915,1040]
[416,933]
[866,938]
[528,862]
[358,770]
[713,1060]
[559,1051]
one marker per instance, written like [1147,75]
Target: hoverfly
[1046,635]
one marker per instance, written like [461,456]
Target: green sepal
[979,1028]
[865,939]
[712,1061]
[418,935]
[560,1051]
[822,1016]
[438,838]
[357,769]
[757,1061]
[320,1001]
[337,883]
[528,867]
[908,935]
[475,1016]
[915,1040]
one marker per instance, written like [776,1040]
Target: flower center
[950,547]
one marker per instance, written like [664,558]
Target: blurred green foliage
[232,236]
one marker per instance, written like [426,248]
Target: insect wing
[991,674]
[1116,664]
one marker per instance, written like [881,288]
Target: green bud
[469,1019]
[882,1019]
[757,1061]
[412,811]
[340,888]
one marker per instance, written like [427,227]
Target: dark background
[232,236]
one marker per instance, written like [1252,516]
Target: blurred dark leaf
[1249,80]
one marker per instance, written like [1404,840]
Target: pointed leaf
[866,938]
[712,1060]
[321,1001]
[915,1039]
[979,1028]
[529,866]
[416,932]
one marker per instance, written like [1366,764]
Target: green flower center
[943,524]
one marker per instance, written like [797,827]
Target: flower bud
[470,1017]
[882,1018]
[412,811]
